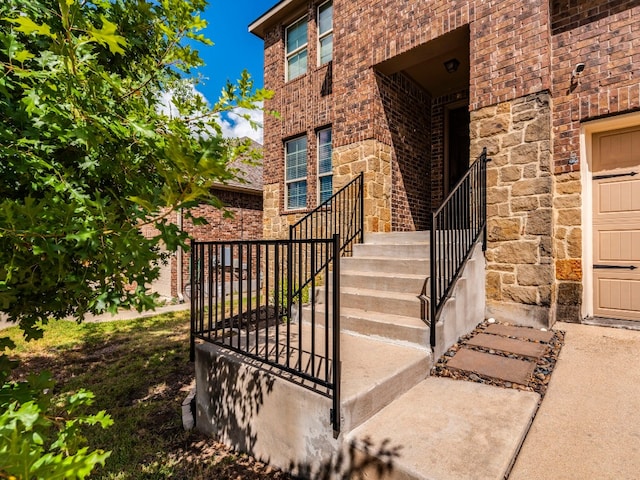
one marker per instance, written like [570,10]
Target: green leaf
[28,26]
[23,55]
[106,36]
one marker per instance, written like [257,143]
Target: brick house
[243,199]
[409,92]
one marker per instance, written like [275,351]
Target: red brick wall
[407,116]
[246,224]
[605,36]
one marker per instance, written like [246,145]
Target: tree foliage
[89,156]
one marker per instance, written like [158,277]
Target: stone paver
[494,366]
[520,332]
[509,345]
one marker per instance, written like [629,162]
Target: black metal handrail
[455,228]
[241,300]
[341,214]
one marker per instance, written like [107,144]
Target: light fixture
[452,65]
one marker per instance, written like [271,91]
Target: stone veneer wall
[519,211]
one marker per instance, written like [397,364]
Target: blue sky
[235,48]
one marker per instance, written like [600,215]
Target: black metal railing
[342,214]
[455,228]
[242,299]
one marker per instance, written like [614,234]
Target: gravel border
[541,374]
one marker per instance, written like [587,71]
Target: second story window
[325,168]
[295,166]
[297,49]
[325,32]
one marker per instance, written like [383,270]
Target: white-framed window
[295,166]
[296,43]
[325,167]
[325,32]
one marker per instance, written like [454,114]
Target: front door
[457,146]
[616,224]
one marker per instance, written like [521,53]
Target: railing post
[361,199]
[483,180]
[336,335]
[192,340]
[432,266]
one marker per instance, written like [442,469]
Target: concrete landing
[444,429]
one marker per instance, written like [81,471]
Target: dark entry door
[458,145]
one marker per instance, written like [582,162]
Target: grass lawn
[140,373]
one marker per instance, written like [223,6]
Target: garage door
[616,224]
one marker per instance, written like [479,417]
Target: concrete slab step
[386,265]
[397,237]
[522,348]
[444,429]
[393,250]
[394,303]
[374,374]
[520,332]
[387,327]
[494,366]
[393,282]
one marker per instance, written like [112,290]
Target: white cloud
[235,125]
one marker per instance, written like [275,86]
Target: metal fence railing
[456,226]
[242,299]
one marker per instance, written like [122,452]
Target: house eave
[279,11]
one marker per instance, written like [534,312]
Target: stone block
[483,113]
[538,130]
[539,222]
[569,293]
[534,275]
[493,126]
[501,229]
[535,186]
[568,188]
[530,171]
[524,204]
[569,217]
[525,295]
[497,195]
[492,177]
[499,160]
[493,285]
[545,249]
[508,278]
[523,154]
[524,117]
[546,201]
[567,201]
[574,243]
[504,107]
[510,174]
[515,252]
[544,295]
[570,269]
[511,139]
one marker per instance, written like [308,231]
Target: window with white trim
[295,166]
[325,167]
[296,38]
[325,32]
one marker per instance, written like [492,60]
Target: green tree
[89,158]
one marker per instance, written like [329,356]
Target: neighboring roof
[279,11]
[250,172]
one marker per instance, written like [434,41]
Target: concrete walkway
[588,425]
[121,315]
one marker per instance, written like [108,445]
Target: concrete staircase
[385,360]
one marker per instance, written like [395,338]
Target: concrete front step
[394,303]
[397,237]
[445,429]
[376,373]
[397,282]
[386,265]
[386,327]
[393,250]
